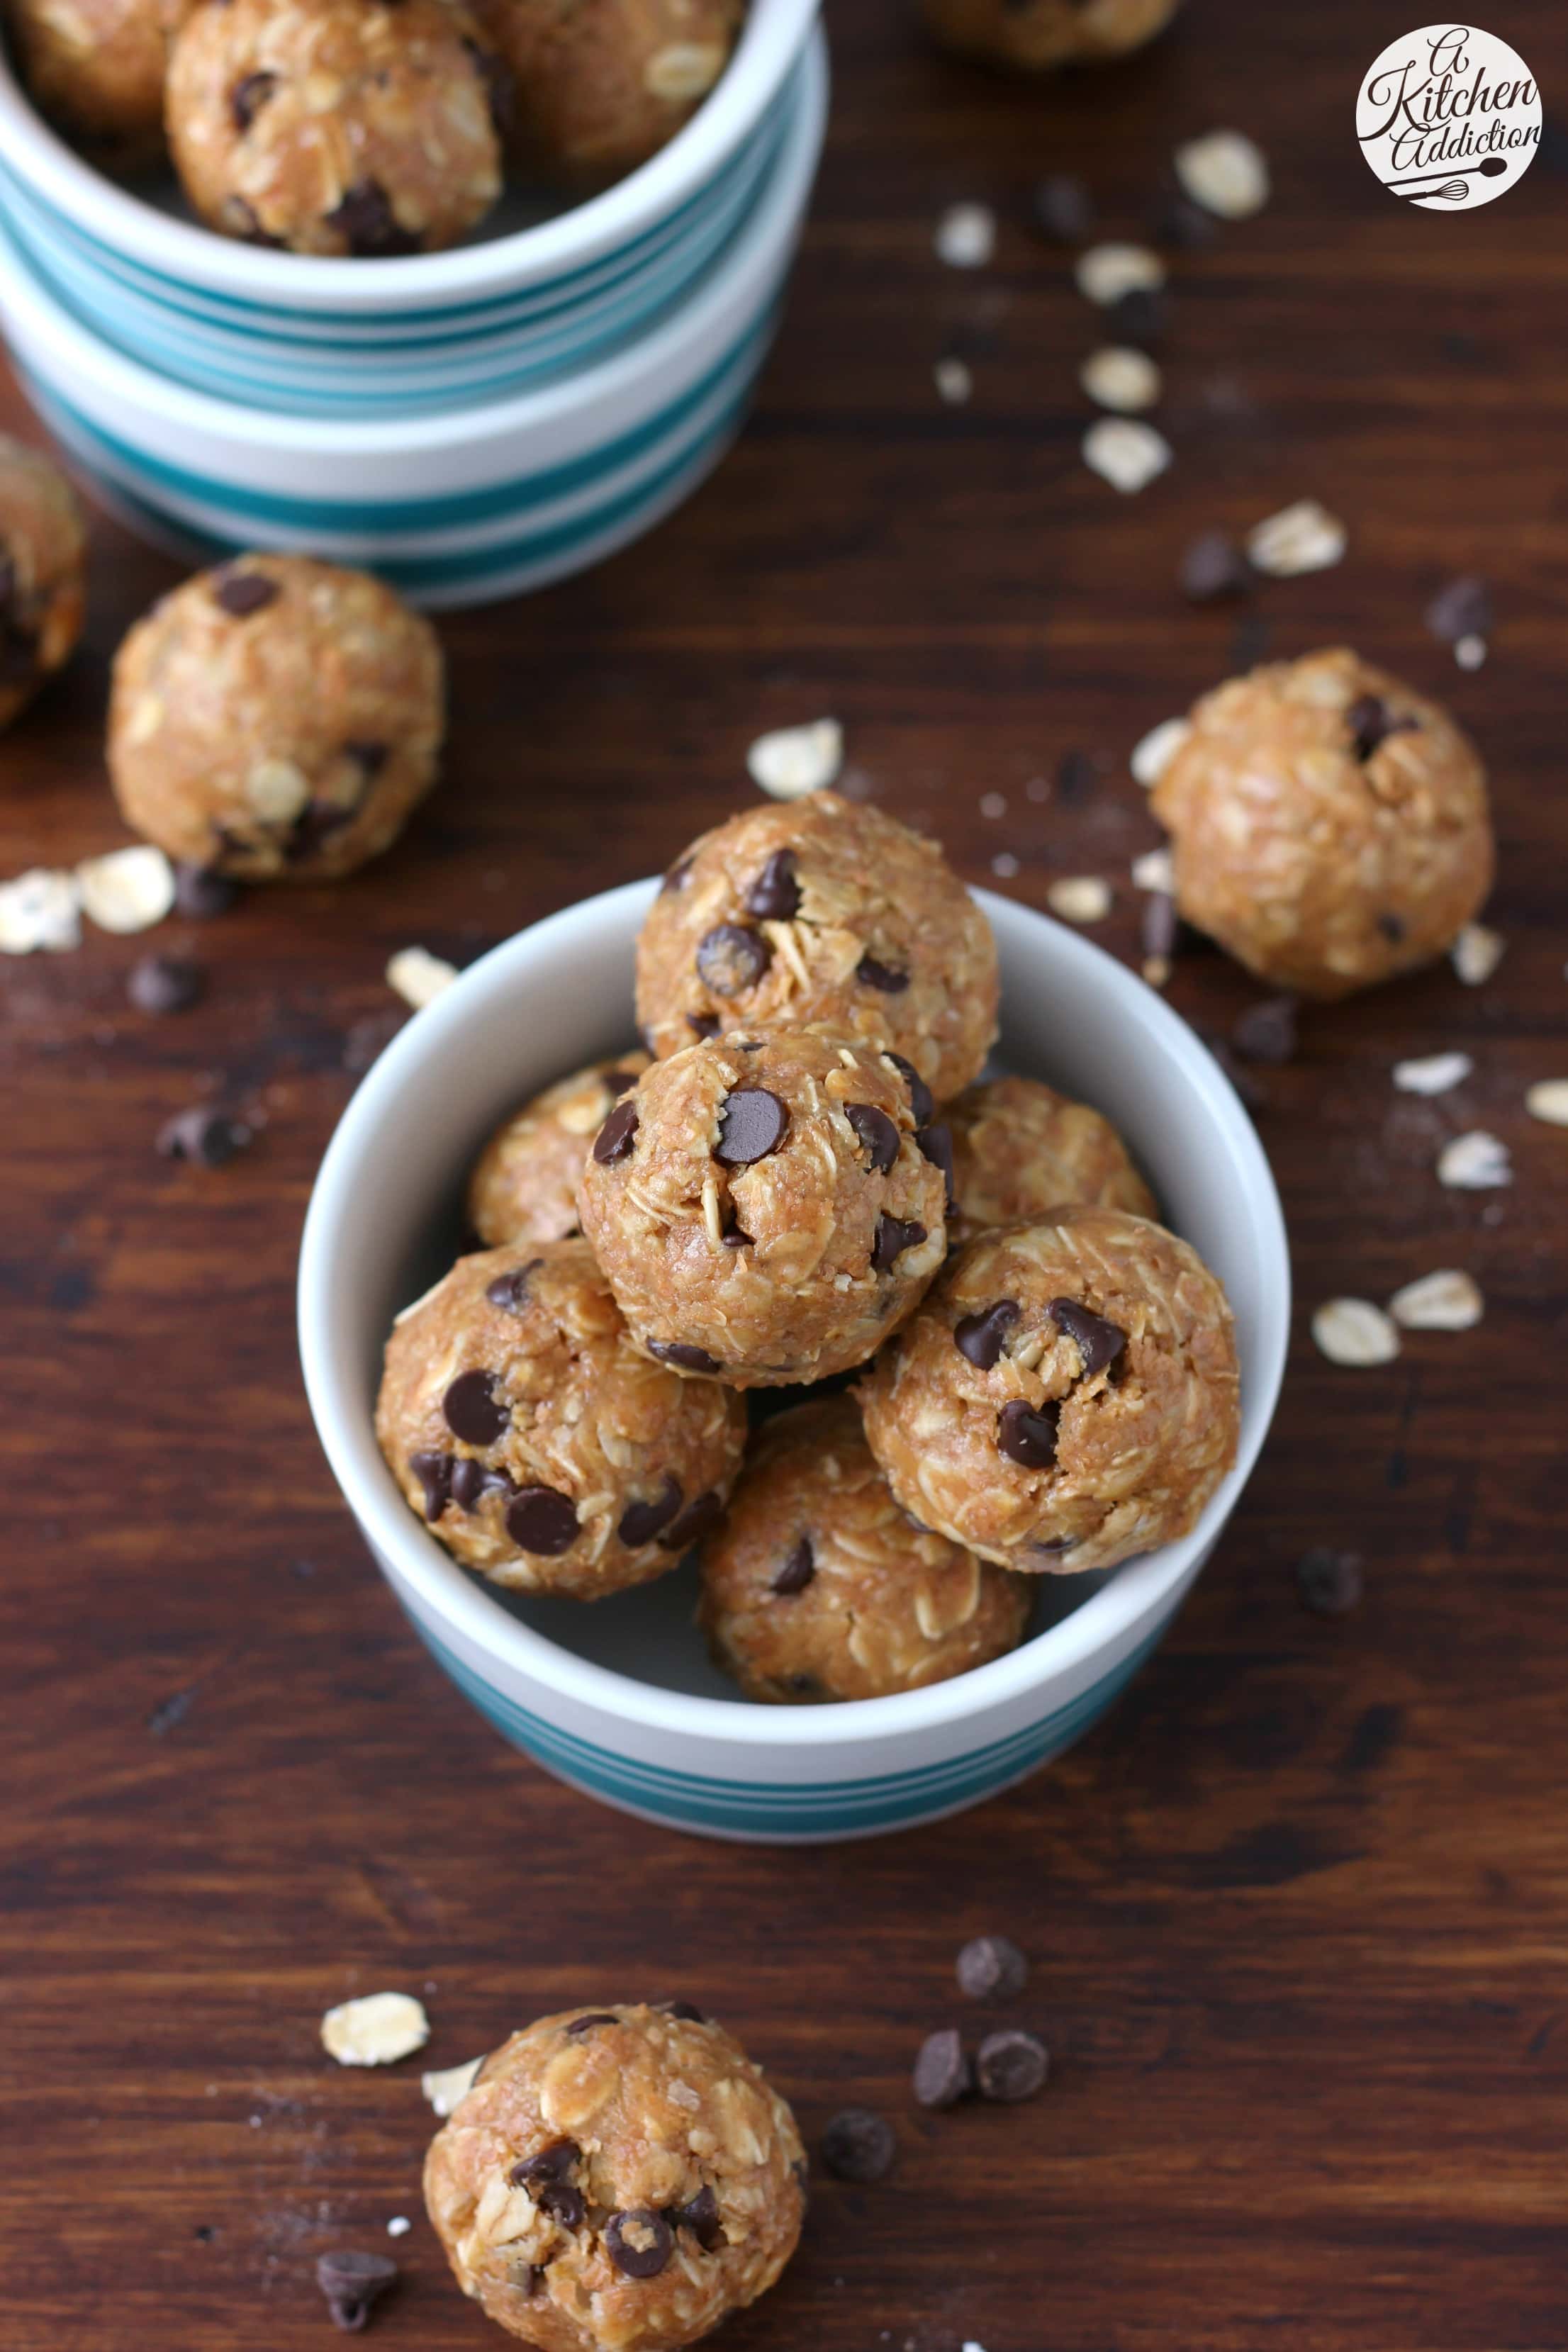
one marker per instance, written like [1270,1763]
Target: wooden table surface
[1298,1910]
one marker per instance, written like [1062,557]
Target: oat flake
[376,2030]
[794,761]
[1155,870]
[1353,1331]
[1477,953]
[953,382]
[966,237]
[1079,898]
[129,890]
[1105,272]
[1298,538]
[1127,455]
[419,976]
[1224,171]
[39,909]
[1470,652]
[1548,1099]
[1432,1074]
[448,2085]
[1153,752]
[1445,1301]
[1474,1162]
[1121,378]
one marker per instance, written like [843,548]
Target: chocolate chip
[473,1410]
[992,1968]
[859,2146]
[1063,209]
[731,958]
[1213,567]
[799,1568]
[700,2214]
[942,2073]
[774,895]
[1141,315]
[594,2016]
[1099,1341]
[1330,1583]
[1462,609]
[1027,1437]
[500,92]
[705,1024]
[876,1131]
[982,1336]
[434,1472]
[541,1520]
[247,97]
[616,1136]
[1010,2066]
[240,594]
[686,2011]
[894,1236]
[683,1355]
[646,1516]
[700,1516]
[369,757]
[640,2242]
[620,1082]
[1372,722]
[160,983]
[241,220]
[352,2284]
[935,1144]
[315,824]
[679,876]
[923,1102]
[551,2163]
[472,1481]
[751,1124]
[510,1291]
[1267,1031]
[1158,926]
[881,976]
[732,1233]
[201,1134]
[367,223]
[1078,772]
[1184,225]
[1391,927]
[202,892]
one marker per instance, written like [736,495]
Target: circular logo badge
[1448,117]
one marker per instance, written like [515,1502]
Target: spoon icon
[1490,167]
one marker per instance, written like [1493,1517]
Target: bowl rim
[446,1590]
[772,37]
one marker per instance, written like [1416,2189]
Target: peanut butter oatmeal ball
[276,720]
[763,1206]
[604,84]
[538,1445]
[818,1587]
[1020,1148]
[43,574]
[823,910]
[524,1184]
[618,2179]
[97,68]
[363,127]
[1033,36]
[1066,1395]
[1328,826]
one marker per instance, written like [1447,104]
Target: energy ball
[43,574]
[96,69]
[1020,1148]
[826,912]
[604,84]
[764,1208]
[276,720]
[337,126]
[618,2179]
[534,1440]
[1328,826]
[1033,36]
[524,1184]
[818,1586]
[1066,1396]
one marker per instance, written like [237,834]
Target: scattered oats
[419,976]
[39,909]
[953,382]
[1155,870]
[1225,173]
[1354,1331]
[1433,1074]
[1079,898]
[1445,1301]
[1477,953]
[1005,866]
[1474,1162]
[794,761]
[1038,788]
[684,70]
[1153,752]
[1119,377]
[1303,537]
[1548,1099]
[399,2226]
[966,237]
[992,804]
[1470,652]
[129,890]
[448,2085]
[1125,454]
[375,2030]
[1105,272]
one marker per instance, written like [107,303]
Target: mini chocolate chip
[1213,567]
[1184,225]
[247,97]
[240,594]
[640,2242]
[799,1568]
[683,1355]
[202,892]
[1372,722]
[241,220]
[1462,609]
[434,1472]
[982,1336]
[705,1024]
[646,1516]
[751,1124]
[1267,1031]
[774,895]
[201,1134]
[1141,315]
[620,1082]
[1054,1547]
[352,2284]
[942,2073]
[700,2214]
[496,80]
[882,976]
[1098,1342]
[732,1233]
[617,1137]
[367,223]
[160,983]
[935,1144]
[8,584]
[541,1520]
[731,958]
[876,1131]
[1330,1583]
[1010,2066]
[923,1102]
[510,1291]
[369,756]
[700,1516]
[1078,772]
[594,2016]
[686,2011]
[472,1409]
[551,2163]
[894,1236]
[315,824]
[679,876]
[858,2145]
[472,1481]
[1392,927]
[1063,209]
[1027,1437]
[992,1968]
[1158,926]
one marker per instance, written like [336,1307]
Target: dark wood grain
[1298,1910]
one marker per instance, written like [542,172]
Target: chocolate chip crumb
[1462,609]
[1331,1582]
[160,983]
[1010,2066]
[204,1135]
[799,1568]
[354,2283]
[201,891]
[1267,1031]
[1213,567]
[1063,209]
[858,2145]
[1140,315]
[942,2072]
[992,1968]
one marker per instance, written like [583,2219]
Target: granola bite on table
[1328,826]
[604,84]
[276,720]
[539,1445]
[618,2179]
[43,574]
[97,68]
[1020,1148]
[1065,1396]
[818,1586]
[823,910]
[524,1183]
[338,126]
[1032,35]
[764,1205]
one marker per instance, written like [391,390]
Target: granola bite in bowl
[524,1184]
[1019,1148]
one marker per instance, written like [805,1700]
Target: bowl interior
[387,1218]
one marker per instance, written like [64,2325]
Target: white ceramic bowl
[619,1698]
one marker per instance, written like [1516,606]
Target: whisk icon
[1452,189]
